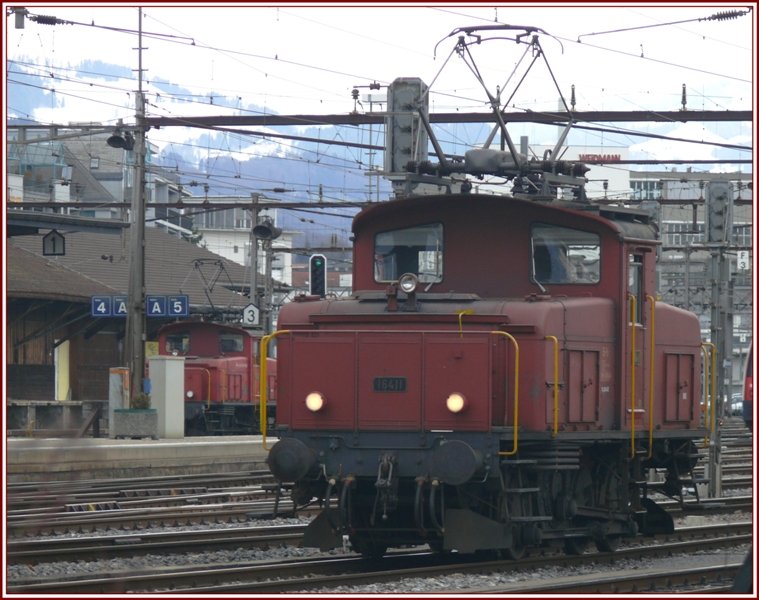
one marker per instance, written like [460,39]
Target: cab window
[230,342]
[564,255]
[417,250]
[178,343]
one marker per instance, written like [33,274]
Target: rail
[207,378]
[633,312]
[651,371]
[710,388]
[263,387]
[513,340]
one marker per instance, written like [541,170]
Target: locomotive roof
[190,324]
[629,223]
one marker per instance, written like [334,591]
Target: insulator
[46,20]
[726,15]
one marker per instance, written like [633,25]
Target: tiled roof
[32,276]
[172,266]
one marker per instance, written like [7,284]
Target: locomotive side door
[636,335]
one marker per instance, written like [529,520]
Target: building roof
[19,221]
[32,276]
[172,267]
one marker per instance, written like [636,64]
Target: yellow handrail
[208,379]
[712,373]
[651,367]
[555,341]
[263,384]
[705,352]
[513,451]
[633,312]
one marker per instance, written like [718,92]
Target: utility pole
[718,230]
[254,210]
[266,231]
[135,325]
[266,309]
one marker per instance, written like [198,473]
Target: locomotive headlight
[408,282]
[456,402]
[315,401]
[190,394]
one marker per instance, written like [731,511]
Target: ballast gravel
[459,581]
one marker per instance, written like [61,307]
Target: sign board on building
[120,306]
[101,306]
[53,244]
[250,315]
[743,260]
[155,306]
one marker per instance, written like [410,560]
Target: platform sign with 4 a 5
[155,306]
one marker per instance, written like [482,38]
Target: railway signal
[317,282]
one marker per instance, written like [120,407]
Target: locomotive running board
[325,531]
[467,531]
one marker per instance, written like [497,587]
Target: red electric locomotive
[748,389]
[221,376]
[502,376]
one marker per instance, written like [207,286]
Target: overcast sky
[308,58]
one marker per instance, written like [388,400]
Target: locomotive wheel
[575,546]
[516,552]
[437,547]
[607,543]
[368,548]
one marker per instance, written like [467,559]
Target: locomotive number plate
[389,384]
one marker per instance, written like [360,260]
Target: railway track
[228,507]
[52,495]
[108,545]
[320,574]
[100,547]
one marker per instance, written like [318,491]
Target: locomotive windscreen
[417,250]
[564,255]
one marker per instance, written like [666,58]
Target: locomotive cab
[501,376]
[221,376]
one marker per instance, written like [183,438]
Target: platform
[66,459]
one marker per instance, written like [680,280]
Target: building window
[94,162]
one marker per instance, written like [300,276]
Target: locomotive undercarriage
[219,418]
[567,493]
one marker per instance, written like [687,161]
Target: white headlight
[408,282]
[315,401]
[456,402]
[190,394]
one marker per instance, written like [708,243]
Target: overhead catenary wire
[276,58]
[720,16]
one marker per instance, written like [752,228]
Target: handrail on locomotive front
[710,391]
[555,384]
[263,391]
[263,387]
[208,382]
[633,303]
[515,448]
[651,371]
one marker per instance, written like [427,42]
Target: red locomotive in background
[502,376]
[221,376]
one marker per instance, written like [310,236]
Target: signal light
[719,212]
[318,275]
